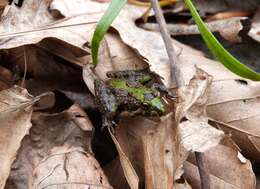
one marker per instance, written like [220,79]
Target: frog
[134,91]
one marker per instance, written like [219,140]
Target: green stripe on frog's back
[140,94]
[137,92]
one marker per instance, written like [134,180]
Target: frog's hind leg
[107,102]
[106,99]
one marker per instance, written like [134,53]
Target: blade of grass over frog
[219,51]
[103,25]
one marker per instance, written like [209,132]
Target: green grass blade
[219,51]
[103,25]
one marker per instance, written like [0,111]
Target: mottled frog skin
[134,91]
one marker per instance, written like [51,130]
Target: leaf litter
[152,153]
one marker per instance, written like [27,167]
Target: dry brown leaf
[69,167]
[6,78]
[3,4]
[46,71]
[162,161]
[228,28]
[77,27]
[15,118]
[34,22]
[150,46]
[225,168]
[247,138]
[153,150]
[71,127]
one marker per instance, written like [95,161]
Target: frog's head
[155,103]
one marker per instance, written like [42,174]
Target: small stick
[204,176]
[176,75]
[178,81]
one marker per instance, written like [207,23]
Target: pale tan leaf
[193,97]
[15,118]
[69,167]
[196,133]
[199,136]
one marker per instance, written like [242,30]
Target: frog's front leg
[107,102]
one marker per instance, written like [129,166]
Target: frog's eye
[148,96]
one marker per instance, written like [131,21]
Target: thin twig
[203,171]
[176,75]
[25,66]
[177,79]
